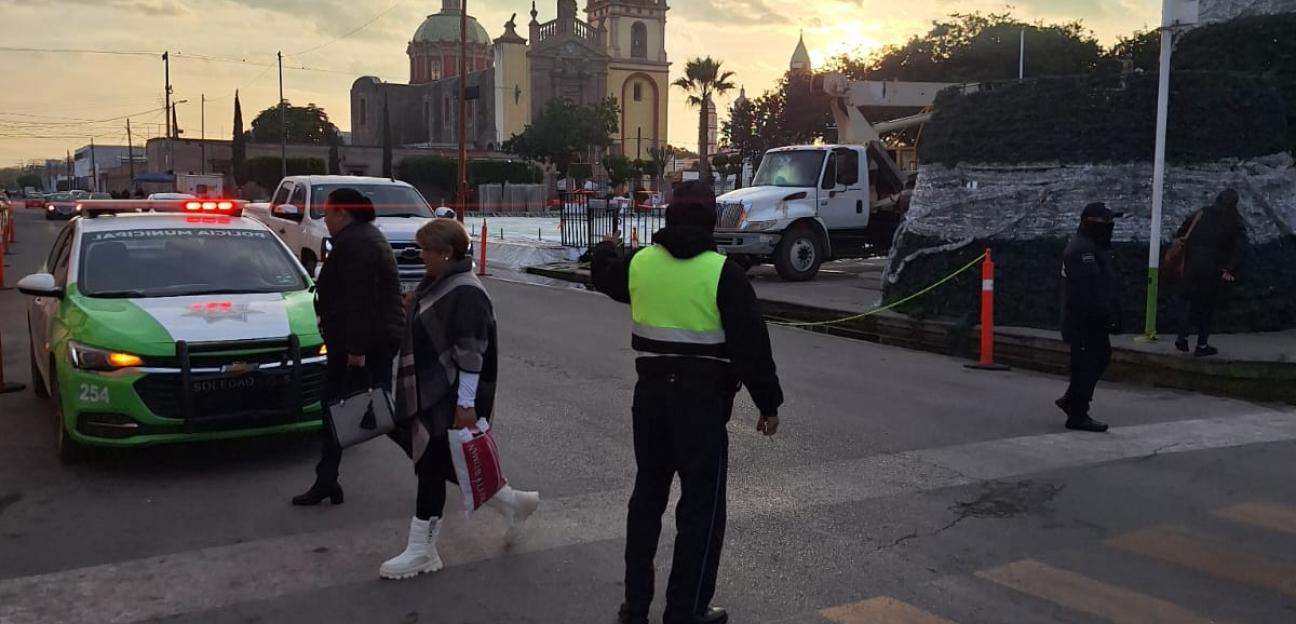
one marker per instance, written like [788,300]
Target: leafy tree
[266,170]
[30,179]
[621,169]
[704,79]
[306,125]
[565,131]
[1143,49]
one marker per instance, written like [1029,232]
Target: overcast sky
[52,102]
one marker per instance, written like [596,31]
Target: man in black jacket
[358,301]
[699,335]
[1090,311]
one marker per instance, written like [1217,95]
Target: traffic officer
[699,335]
[1090,311]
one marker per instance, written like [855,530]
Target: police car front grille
[163,394]
[730,216]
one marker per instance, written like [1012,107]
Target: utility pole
[463,112]
[94,168]
[130,155]
[202,167]
[170,112]
[283,125]
[1021,59]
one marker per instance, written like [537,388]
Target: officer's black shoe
[1182,344]
[1064,404]
[625,617]
[1206,351]
[1086,424]
[710,615]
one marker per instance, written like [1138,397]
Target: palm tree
[703,80]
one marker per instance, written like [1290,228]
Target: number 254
[93,394]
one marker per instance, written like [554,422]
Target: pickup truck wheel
[799,254]
[308,261]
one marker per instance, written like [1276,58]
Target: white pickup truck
[296,213]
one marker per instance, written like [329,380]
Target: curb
[1254,381]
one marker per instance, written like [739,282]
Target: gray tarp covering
[1026,212]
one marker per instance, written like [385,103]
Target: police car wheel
[69,451]
[38,381]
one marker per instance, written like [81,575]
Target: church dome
[443,27]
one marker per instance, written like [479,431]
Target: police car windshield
[791,169]
[390,200]
[184,261]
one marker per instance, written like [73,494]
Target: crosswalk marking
[881,610]
[1083,594]
[1177,547]
[1263,515]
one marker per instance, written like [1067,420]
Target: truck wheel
[309,262]
[799,254]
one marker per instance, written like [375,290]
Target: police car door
[42,310]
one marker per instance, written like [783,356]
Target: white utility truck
[812,203]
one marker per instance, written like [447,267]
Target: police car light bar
[214,207]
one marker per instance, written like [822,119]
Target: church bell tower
[638,70]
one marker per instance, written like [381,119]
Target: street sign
[1179,13]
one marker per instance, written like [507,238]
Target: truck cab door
[843,190]
[286,217]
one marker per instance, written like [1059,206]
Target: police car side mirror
[40,285]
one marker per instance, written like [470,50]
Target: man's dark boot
[1206,351]
[709,615]
[1086,423]
[624,616]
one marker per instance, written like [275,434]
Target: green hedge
[437,174]
[1262,46]
[266,171]
[1213,115]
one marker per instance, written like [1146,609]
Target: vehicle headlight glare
[90,358]
[759,225]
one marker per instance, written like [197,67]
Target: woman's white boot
[515,506]
[420,556]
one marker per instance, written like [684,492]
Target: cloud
[149,7]
[730,12]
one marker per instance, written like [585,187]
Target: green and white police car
[155,322]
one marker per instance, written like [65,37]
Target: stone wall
[1026,213]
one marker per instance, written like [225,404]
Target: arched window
[639,40]
[638,91]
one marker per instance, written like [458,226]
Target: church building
[616,48]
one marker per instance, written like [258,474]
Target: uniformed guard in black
[681,406]
[1090,311]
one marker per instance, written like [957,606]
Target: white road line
[132,591]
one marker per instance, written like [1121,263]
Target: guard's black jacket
[746,336]
[1091,288]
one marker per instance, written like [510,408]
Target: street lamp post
[1174,14]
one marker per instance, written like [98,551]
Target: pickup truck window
[281,195]
[791,169]
[390,200]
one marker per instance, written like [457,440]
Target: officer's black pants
[1091,353]
[679,427]
[340,381]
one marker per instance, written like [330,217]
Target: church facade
[616,49]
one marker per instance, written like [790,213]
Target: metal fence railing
[586,221]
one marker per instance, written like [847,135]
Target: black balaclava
[693,205]
[1096,223]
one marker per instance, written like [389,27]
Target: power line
[352,31]
[200,57]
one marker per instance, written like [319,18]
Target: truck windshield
[390,200]
[794,169]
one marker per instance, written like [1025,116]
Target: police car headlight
[759,226]
[90,358]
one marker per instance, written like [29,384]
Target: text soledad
[129,234]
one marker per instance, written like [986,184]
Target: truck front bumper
[747,243]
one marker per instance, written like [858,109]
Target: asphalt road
[901,488]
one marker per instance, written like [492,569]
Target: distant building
[89,168]
[713,126]
[618,50]
[801,61]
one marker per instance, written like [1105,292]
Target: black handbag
[361,416]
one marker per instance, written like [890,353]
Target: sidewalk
[1259,367]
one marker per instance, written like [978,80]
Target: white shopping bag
[477,464]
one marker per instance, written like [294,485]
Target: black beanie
[694,205]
